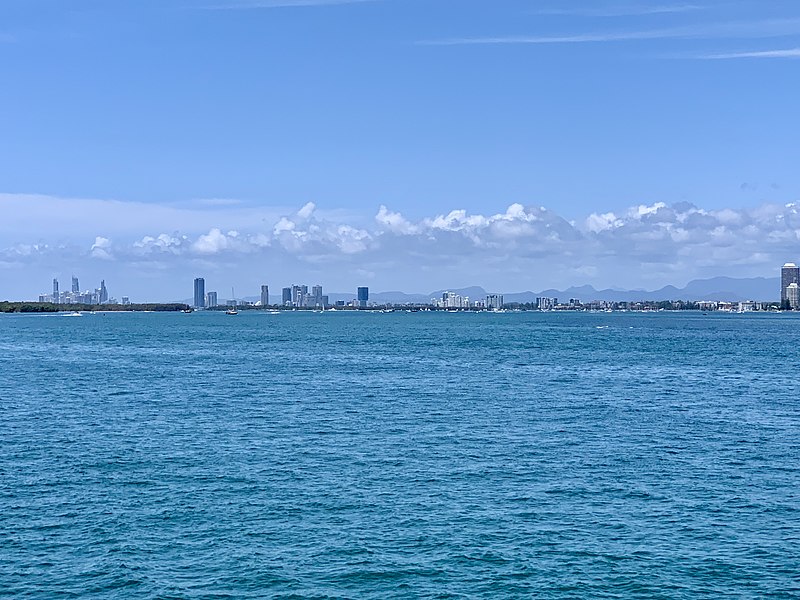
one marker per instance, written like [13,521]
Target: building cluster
[452,300]
[790,286]
[298,296]
[76,296]
[295,296]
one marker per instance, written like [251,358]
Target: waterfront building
[316,295]
[286,296]
[299,295]
[325,301]
[545,303]
[494,301]
[211,299]
[264,295]
[453,300]
[103,292]
[199,292]
[790,273]
[55,291]
[748,306]
[363,296]
[126,300]
[76,288]
[793,295]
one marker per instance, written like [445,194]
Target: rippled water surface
[399,455]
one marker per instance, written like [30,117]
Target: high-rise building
[199,292]
[55,291]
[211,299]
[76,288]
[299,293]
[126,300]
[494,301]
[793,296]
[264,295]
[363,296]
[286,296]
[316,295]
[790,273]
[103,296]
[325,301]
[545,303]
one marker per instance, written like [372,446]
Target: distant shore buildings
[790,276]
[76,296]
[299,296]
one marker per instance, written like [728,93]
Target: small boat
[187,310]
[232,310]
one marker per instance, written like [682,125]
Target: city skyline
[757,290]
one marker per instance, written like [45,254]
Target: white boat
[232,310]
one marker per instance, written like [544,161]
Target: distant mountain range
[717,288]
[762,289]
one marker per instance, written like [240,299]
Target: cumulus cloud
[101,248]
[649,232]
[649,242]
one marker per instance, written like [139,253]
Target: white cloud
[212,242]
[620,11]
[597,223]
[646,244]
[765,28]
[395,222]
[101,248]
[307,210]
[780,53]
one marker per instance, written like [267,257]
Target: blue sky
[128,120]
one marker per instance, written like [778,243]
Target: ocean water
[363,455]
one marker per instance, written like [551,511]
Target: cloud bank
[517,248]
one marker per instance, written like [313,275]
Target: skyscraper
[264,295]
[199,292]
[286,296]
[103,292]
[299,293]
[790,273]
[363,296]
[494,301]
[211,299]
[316,294]
[55,291]
[75,287]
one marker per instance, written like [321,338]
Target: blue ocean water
[368,455]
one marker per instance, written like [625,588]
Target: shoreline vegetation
[49,307]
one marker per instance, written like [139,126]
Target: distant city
[76,296]
[303,297]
